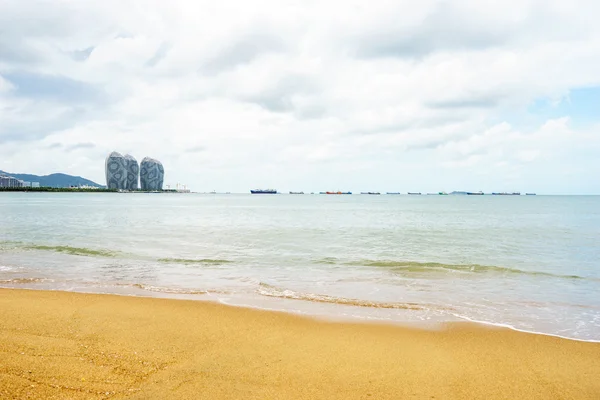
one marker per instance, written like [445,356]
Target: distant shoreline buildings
[10,182]
[124,173]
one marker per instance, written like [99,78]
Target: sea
[531,263]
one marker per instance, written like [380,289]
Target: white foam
[4,268]
[514,328]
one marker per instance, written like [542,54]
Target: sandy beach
[59,345]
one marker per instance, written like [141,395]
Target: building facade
[10,182]
[133,172]
[152,174]
[116,171]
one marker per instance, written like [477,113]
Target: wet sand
[58,345]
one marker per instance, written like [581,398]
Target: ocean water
[529,262]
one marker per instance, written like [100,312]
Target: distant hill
[54,180]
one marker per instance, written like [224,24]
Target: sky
[307,95]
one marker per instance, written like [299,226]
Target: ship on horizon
[338,192]
[263,191]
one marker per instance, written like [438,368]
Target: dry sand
[57,345]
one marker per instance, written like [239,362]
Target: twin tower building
[123,173]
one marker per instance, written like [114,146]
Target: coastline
[73,345]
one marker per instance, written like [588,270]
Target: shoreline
[208,297]
[75,345]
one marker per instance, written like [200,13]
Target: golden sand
[57,345]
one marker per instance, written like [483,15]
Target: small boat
[263,191]
[296,192]
[415,193]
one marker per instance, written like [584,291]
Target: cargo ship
[296,192]
[393,193]
[415,193]
[263,191]
[530,194]
[475,193]
[507,194]
[375,193]
[338,192]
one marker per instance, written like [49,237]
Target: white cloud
[308,95]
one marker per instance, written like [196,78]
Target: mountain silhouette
[53,180]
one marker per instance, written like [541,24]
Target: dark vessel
[530,194]
[375,193]
[263,191]
[393,193]
[475,193]
[296,192]
[415,193]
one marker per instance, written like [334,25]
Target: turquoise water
[530,262]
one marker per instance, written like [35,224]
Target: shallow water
[531,262]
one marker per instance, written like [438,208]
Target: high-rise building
[133,172]
[10,182]
[116,171]
[152,174]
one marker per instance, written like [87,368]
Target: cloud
[160,54]
[486,101]
[196,149]
[79,146]
[312,95]
[443,27]
[243,51]
[52,87]
[82,55]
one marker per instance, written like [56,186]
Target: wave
[90,252]
[75,251]
[273,291]
[161,289]
[24,280]
[6,245]
[194,261]
[408,267]
[170,290]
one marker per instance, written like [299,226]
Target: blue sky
[388,96]
[582,105]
